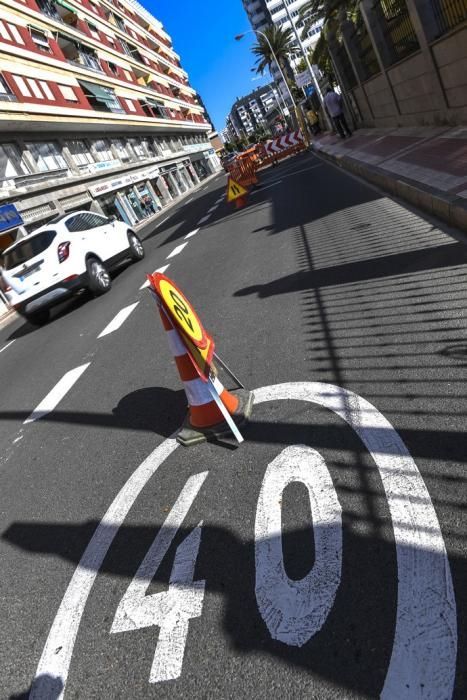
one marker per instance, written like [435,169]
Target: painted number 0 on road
[424,651]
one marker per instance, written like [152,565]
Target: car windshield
[27,249]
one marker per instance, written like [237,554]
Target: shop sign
[124,181]
[195,147]
[9,217]
[104,165]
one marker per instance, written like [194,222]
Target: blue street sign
[9,217]
[309,90]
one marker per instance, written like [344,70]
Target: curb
[449,208]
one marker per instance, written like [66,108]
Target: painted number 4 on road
[424,650]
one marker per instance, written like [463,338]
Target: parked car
[72,252]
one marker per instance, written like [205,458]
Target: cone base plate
[188,435]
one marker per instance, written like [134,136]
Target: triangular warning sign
[235,190]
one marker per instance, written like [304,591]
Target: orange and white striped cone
[205,418]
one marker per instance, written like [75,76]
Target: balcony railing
[449,14]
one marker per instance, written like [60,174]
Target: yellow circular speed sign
[180,310]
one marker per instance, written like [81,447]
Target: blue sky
[203,34]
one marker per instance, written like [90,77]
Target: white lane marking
[163,221]
[212,209]
[184,597]
[193,233]
[203,220]
[261,189]
[188,200]
[54,397]
[56,656]
[423,660]
[159,269]
[118,320]
[176,250]
[8,345]
[424,651]
[293,610]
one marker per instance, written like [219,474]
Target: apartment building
[277,11]
[252,111]
[96,112]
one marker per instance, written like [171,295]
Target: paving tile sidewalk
[425,166]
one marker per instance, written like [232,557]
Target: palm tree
[281,42]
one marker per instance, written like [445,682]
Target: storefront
[205,163]
[10,220]
[131,197]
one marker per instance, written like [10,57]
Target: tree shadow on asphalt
[51,687]
[352,649]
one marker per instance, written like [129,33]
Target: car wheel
[136,247]
[99,278]
[38,318]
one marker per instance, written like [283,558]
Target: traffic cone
[204,419]
[240,202]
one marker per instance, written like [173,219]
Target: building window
[68,93]
[123,153]
[47,91]
[11,162]
[113,68]
[131,105]
[80,152]
[103,151]
[46,156]
[40,39]
[36,91]
[94,31]
[7,31]
[5,92]
[23,88]
[137,148]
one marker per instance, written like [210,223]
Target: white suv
[71,252]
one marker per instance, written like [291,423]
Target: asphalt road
[325,557]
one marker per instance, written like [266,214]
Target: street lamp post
[256,31]
[309,66]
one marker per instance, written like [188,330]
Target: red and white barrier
[294,138]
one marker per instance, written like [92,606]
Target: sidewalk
[425,166]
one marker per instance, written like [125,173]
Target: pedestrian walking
[333,104]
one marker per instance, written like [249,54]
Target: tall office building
[96,112]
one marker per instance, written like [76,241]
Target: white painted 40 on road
[423,658]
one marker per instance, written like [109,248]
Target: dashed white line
[54,397]
[212,209]
[7,345]
[261,189]
[193,233]
[203,220]
[176,250]
[119,319]
[159,269]
[189,200]
[163,221]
